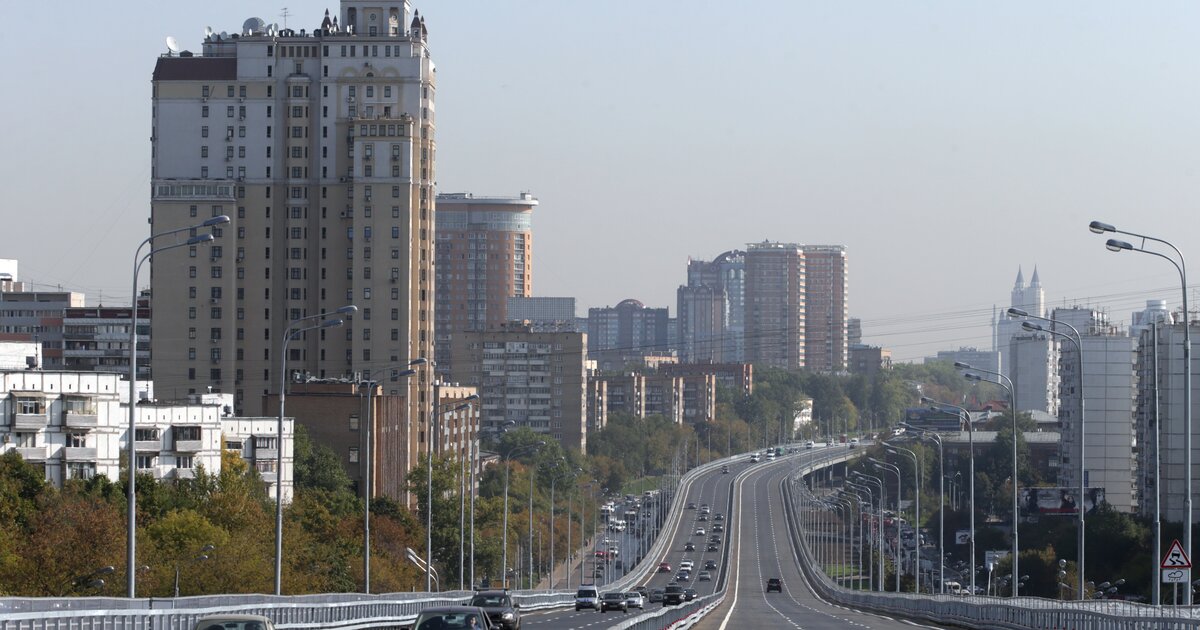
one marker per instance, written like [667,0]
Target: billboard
[1058,501]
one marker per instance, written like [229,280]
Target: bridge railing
[980,611]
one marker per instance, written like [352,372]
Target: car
[809,444]
[704,576]
[234,622]
[714,539]
[704,507]
[725,470]
[700,531]
[683,576]
[500,608]
[774,584]
[710,564]
[686,565]
[702,517]
[689,546]
[614,600]
[853,441]
[691,506]
[713,547]
[718,528]
[664,567]
[689,594]
[598,573]
[673,595]
[754,459]
[588,596]
[656,596]
[643,590]
[450,617]
[718,517]
[634,599]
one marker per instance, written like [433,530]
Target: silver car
[634,599]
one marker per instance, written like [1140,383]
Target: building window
[353,454]
[31,406]
[184,462]
[81,470]
[353,422]
[145,462]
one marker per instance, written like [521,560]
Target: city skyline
[999,133]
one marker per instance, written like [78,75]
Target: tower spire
[1020,283]
[1034,282]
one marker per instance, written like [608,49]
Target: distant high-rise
[545,314]
[825,309]
[711,310]
[484,256]
[775,305]
[625,332]
[1032,300]
[319,146]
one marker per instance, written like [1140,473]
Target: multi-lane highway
[755,546]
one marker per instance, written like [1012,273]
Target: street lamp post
[293,328]
[937,439]
[868,479]
[1077,341]
[1180,266]
[202,556]
[886,468]
[507,466]
[863,534]
[896,450]
[131,500]
[1007,384]
[453,406]
[966,416]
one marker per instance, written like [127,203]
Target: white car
[809,444]
[634,599]
[686,564]
[700,531]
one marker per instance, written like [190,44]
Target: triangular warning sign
[1176,558]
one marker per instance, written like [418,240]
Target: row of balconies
[69,453]
[38,421]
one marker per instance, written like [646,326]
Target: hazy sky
[944,143]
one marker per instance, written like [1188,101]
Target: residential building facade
[545,314]
[826,309]
[775,305]
[96,339]
[625,332]
[28,315]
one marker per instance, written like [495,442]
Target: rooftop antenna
[172,45]
[284,14]
[223,36]
[208,32]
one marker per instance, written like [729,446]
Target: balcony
[32,421]
[183,473]
[189,446]
[147,445]
[79,454]
[269,477]
[81,420]
[266,453]
[32,453]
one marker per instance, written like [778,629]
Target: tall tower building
[1030,298]
[826,312]
[625,332]
[320,146]
[711,310]
[775,304]
[484,256]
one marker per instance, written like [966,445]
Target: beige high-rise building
[319,145]
[825,310]
[484,256]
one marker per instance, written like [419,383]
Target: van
[952,588]
[588,596]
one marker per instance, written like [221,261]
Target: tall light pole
[885,467]
[451,407]
[966,416]
[937,439]
[131,500]
[466,475]
[368,476]
[1007,384]
[293,328]
[864,536]
[507,465]
[896,450]
[866,479]
[1077,341]
[1180,266]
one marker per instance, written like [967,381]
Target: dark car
[689,594]
[713,547]
[718,528]
[656,595]
[725,469]
[714,539]
[682,576]
[775,584]
[452,617]
[499,607]
[702,517]
[689,546]
[614,601]
[718,517]
[673,595]
[710,564]
[691,506]
[643,590]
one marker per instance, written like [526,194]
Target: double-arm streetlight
[200,557]
[1115,245]
[866,479]
[896,450]
[966,416]
[138,259]
[368,476]
[1007,384]
[291,331]
[507,465]
[864,536]
[1077,341]
[885,467]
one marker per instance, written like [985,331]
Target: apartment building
[96,339]
[775,305]
[320,147]
[711,310]
[484,256]
[826,309]
[626,332]
[533,379]
[546,314]
[29,315]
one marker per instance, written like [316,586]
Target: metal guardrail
[981,611]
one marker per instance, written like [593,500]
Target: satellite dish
[208,32]
[224,36]
[253,26]
[172,45]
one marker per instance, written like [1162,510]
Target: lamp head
[1113,245]
[1099,227]
[418,361]
[1032,327]
[201,238]
[962,366]
[402,373]
[347,309]
[471,397]
[217,220]
[926,400]
[971,376]
[1016,312]
[332,323]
